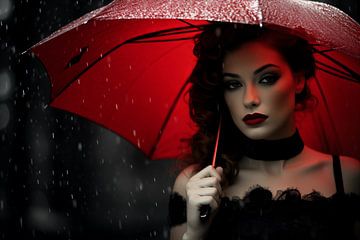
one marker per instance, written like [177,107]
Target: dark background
[62,177]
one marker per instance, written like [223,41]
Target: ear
[300,83]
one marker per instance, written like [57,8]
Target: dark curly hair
[206,92]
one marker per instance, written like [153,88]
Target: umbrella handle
[204,213]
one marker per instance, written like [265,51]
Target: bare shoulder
[183,178]
[350,168]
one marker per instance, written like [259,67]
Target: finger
[207,192]
[203,183]
[220,171]
[209,171]
[204,200]
[211,191]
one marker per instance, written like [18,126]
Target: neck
[271,150]
[267,167]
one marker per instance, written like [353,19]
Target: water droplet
[140,186]
[138,143]
[80,146]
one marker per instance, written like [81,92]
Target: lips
[255,118]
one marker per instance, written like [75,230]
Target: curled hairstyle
[206,93]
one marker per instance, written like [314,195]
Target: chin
[265,131]
[256,133]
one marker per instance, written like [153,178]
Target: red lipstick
[255,118]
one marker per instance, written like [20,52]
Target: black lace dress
[288,215]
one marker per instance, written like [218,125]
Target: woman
[255,78]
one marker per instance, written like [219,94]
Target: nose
[251,97]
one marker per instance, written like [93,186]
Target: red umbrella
[125,66]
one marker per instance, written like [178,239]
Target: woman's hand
[203,188]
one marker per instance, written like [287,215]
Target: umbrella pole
[216,143]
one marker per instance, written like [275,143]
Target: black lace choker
[272,150]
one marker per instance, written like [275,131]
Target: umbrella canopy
[125,66]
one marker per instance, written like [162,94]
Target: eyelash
[271,79]
[228,85]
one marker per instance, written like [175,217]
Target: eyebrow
[234,75]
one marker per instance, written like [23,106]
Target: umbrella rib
[163,40]
[355,75]
[328,113]
[336,72]
[337,75]
[192,25]
[175,32]
[334,69]
[89,66]
[166,32]
[167,118]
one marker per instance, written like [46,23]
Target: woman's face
[258,80]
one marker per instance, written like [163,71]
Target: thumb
[220,170]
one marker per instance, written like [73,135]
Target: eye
[231,85]
[269,79]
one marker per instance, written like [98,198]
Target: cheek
[282,100]
[234,104]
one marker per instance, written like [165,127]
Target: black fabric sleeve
[177,209]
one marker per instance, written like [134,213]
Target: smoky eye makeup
[231,81]
[269,78]
[231,84]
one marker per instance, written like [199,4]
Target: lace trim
[260,200]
